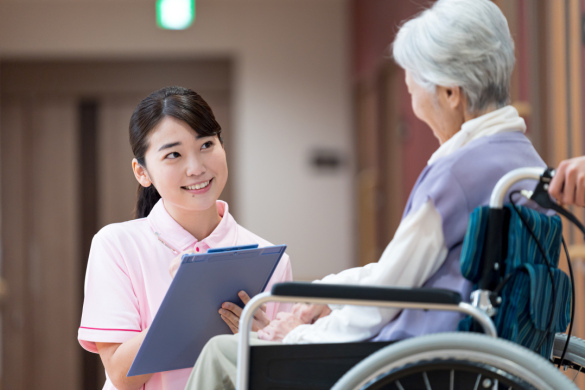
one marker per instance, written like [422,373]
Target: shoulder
[505,149]
[121,232]
[468,175]
[493,155]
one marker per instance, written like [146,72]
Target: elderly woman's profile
[458,57]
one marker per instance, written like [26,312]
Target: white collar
[502,120]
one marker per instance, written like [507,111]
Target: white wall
[291,94]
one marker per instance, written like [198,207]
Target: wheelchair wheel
[575,356]
[454,361]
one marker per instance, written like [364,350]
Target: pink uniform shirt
[128,276]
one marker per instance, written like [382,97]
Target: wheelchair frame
[418,298]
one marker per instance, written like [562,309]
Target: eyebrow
[167,146]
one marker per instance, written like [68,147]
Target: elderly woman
[458,57]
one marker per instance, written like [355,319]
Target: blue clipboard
[188,315]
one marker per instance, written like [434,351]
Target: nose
[195,166]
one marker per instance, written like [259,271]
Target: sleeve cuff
[89,336]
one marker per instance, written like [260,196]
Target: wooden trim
[575,80]
[557,80]
[16,329]
[87,130]
[390,154]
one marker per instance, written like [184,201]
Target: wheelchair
[474,359]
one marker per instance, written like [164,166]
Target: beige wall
[291,95]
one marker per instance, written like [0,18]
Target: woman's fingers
[558,182]
[279,328]
[176,262]
[570,186]
[231,309]
[260,320]
[231,313]
[246,298]
[568,183]
[309,313]
[233,328]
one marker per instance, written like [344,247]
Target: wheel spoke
[477,382]
[399,385]
[426,378]
[452,380]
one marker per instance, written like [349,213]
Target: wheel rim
[499,363]
[448,374]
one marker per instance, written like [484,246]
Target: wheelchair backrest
[519,268]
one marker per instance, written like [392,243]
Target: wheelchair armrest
[405,298]
[336,291]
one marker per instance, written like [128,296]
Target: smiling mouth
[198,186]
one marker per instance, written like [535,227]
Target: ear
[141,174]
[454,97]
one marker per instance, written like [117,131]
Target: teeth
[198,186]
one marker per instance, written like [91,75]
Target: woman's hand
[280,327]
[309,313]
[231,313]
[302,314]
[568,184]
[176,262]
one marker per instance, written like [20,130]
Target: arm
[568,184]
[415,254]
[117,359]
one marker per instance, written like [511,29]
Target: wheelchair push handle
[504,185]
[539,195]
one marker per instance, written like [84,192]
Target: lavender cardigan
[457,184]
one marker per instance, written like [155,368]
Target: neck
[199,223]
[469,116]
[459,118]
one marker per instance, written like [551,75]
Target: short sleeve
[110,309]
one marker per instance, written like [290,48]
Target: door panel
[52,199]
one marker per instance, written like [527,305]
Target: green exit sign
[175,14]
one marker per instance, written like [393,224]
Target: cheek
[219,162]
[422,107]
[417,107]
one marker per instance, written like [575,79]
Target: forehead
[171,129]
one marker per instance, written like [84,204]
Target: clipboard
[188,315]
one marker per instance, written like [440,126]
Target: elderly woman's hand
[302,314]
[309,313]
[568,184]
[280,327]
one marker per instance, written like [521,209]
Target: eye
[207,145]
[172,155]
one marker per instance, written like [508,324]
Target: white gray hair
[459,43]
